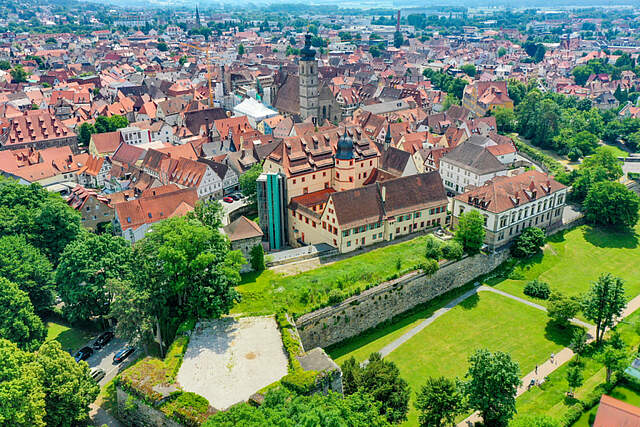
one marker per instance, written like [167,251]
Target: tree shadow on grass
[611,237]
[470,302]
[558,237]
[557,335]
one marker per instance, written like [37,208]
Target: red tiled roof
[616,413]
[147,210]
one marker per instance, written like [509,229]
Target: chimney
[383,193]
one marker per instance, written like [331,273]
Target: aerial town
[289,214]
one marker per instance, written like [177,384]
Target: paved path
[426,322]
[100,417]
[560,358]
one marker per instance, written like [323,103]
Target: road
[103,358]
[227,208]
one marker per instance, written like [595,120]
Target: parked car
[103,340]
[236,196]
[97,374]
[83,354]
[227,199]
[123,354]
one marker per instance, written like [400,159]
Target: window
[324,174]
[313,176]
[417,215]
[397,230]
[303,179]
[350,179]
[348,243]
[380,235]
[432,210]
[294,181]
[346,233]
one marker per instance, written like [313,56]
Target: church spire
[197,17]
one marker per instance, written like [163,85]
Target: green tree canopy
[21,393]
[562,309]
[470,231]
[69,390]
[19,324]
[85,130]
[42,217]
[492,382]
[611,203]
[469,69]
[528,243]
[188,271]
[604,302]
[248,181]
[18,74]
[381,379]
[24,265]
[86,266]
[439,402]
[281,408]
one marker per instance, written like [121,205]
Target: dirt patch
[250,356]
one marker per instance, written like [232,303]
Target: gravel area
[228,359]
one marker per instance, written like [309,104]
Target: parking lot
[103,358]
[227,208]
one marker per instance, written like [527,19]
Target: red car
[227,199]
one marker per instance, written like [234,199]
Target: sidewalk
[560,359]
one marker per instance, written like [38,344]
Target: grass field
[70,338]
[551,399]
[265,292]
[485,320]
[574,259]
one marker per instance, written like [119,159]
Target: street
[103,358]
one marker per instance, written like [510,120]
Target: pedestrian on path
[536,369]
[552,359]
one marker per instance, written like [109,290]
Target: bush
[173,359]
[430,266]
[335,296]
[537,289]
[189,409]
[452,250]
[433,248]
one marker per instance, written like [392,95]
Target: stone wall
[138,413]
[358,313]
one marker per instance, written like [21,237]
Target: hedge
[189,409]
[298,380]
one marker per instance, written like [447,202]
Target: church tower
[198,25]
[308,76]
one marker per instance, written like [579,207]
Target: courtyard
[229,359]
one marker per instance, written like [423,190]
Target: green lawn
[486,320]
[70,338]
[266,292]
[573,259]
[373,340]
[551,399]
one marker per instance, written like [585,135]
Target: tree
[85,130]
[380,379]
[24,265]
[611,203]
[528,243]
[604,302]
[19,324]
[614,359]
[87,264]
[470,231]
[562,309]
[501,52]
[584,141]
[188,271]
[18,74]
[68,387]
[21,393]
[5,65]
[209,213]
[131,307]
[281,408]
[492,383]
[574,377]
[578,342]
[439,402]
[469,69]
[257,258]
[240,49]
[247,181]
[581,73]
[449,100]
[43,217]
[162,47]
[505,119]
